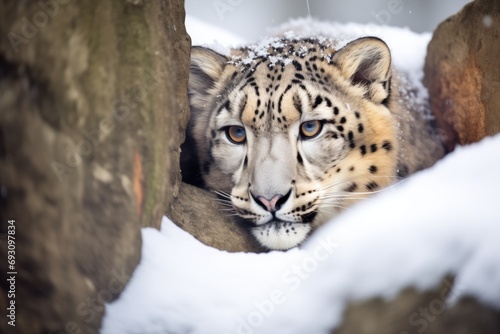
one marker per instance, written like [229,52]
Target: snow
[204,34]
[441,221]
[487,21]
[408,49]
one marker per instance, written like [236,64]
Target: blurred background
[250,19]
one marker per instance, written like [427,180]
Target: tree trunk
[92,107]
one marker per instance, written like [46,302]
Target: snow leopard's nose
[273,204]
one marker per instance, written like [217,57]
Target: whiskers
[350,180]
[342,199]
[222,194]
[329,199]
[224,200]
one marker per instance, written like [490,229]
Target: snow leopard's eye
[236,134]
[310,129]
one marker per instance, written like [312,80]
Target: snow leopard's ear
[367,62]
[206,68]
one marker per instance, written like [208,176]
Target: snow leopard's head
[291,131]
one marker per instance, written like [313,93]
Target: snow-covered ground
[444,220]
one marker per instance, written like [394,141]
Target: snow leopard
[292,131]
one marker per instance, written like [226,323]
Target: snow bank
[444,220]
[207,35]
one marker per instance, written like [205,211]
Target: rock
[89,140]
[198,212]
[462,73]
[412,311]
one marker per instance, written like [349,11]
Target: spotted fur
[282,183]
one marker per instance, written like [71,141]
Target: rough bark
[462,73]
[89,145]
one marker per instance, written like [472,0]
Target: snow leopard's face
[292,133]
